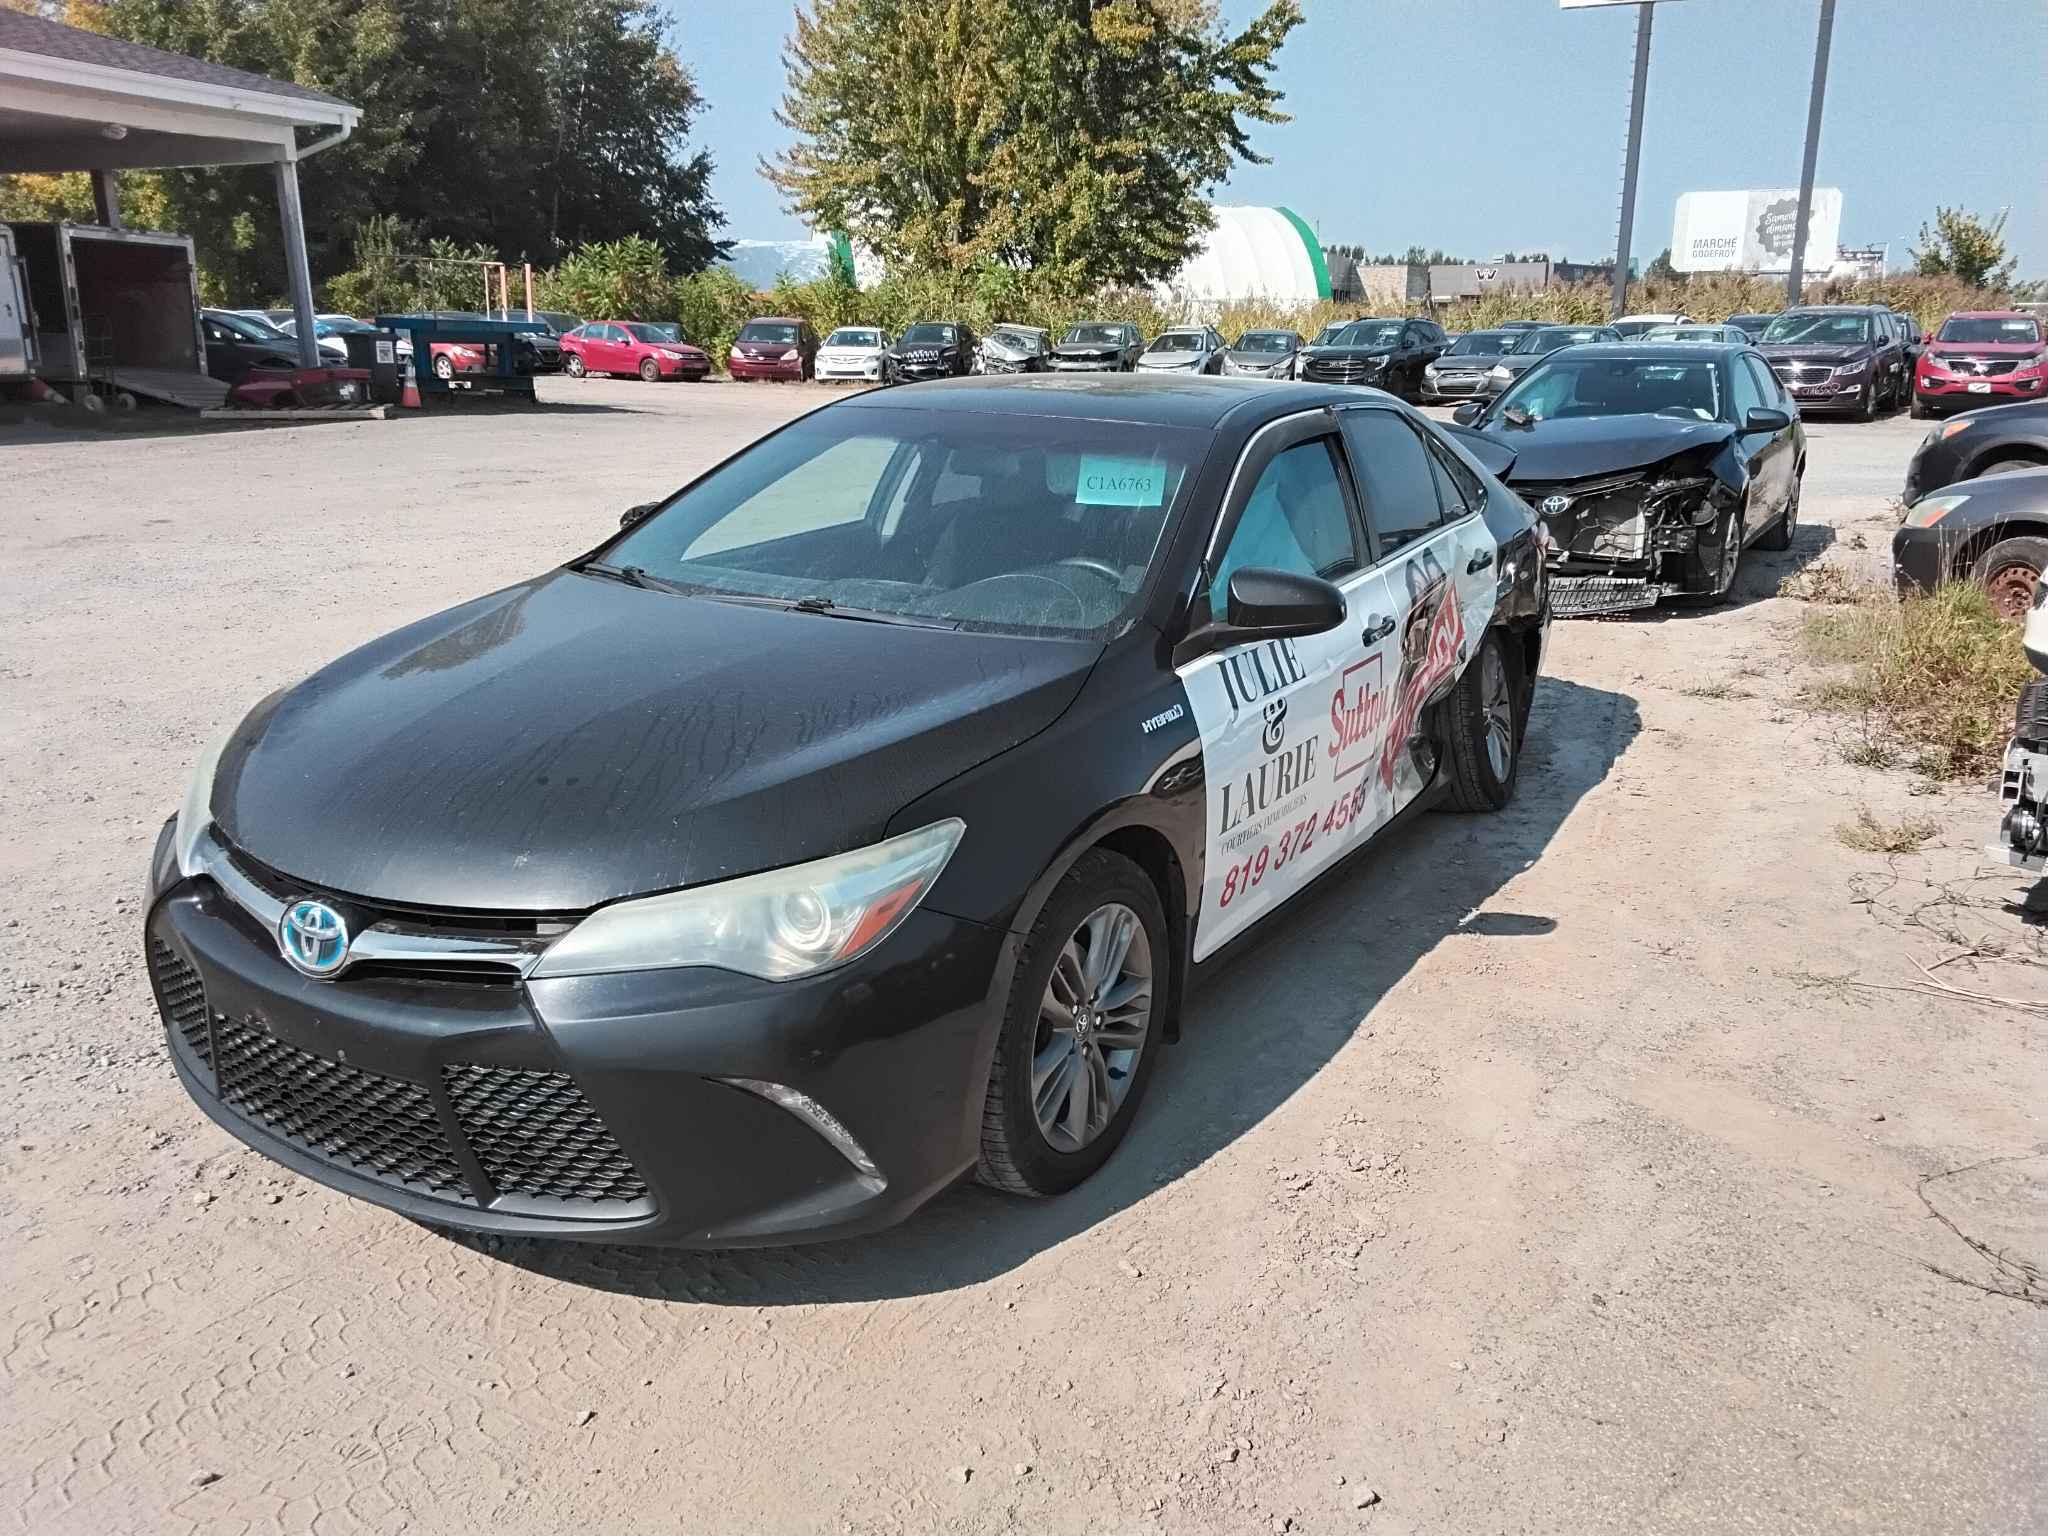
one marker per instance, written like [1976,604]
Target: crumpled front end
[2023,787]
[1624,541]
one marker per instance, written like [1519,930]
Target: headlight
[1850,370]
[1500,371]
[779,925]
[672,356]
[1949,429]
[1662,495]
[792,355]
[195,815]
[1929,510]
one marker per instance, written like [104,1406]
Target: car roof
[1992,314]
[1136,398]
[775,320]
[1676,351]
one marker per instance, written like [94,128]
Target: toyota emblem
[313,937]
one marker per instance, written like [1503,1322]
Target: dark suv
[1838,357]
[933,349]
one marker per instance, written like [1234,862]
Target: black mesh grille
[180,996]
[2031,718]
[536,1135]
[382,1126]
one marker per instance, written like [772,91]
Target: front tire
[1080,1031]
[2009,571]
[650,370]
[1483,720]
[1917,411]
[1778,536]
[1866,404]
[444,367]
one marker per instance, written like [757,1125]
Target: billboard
[1752,231]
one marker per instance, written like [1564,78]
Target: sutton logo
[1358,710]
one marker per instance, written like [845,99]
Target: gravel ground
[1570,1170]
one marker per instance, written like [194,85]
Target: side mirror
[1766,419]
[1267,604]
[1468,413]
[633,515]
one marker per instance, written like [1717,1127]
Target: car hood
[572,740]
[1350,352]
[1089,349]
[1169,359]
[924,348]
[1794,352]
[1258,359]
[1983,348]
[1577,446]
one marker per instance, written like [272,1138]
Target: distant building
[1254,253]
[1448,283]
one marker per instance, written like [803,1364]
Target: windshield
[844,337]
[1176,341]
[1096,336]
[1265,341]
[931,335]
[1329,333]
[1630,329]
[761,331]
[1539,342]
[960,518]
[1689,333]
[1750,325]
[1481,343]
[1021,341]
[1370,333]
[340,325]
[1995,330]
[1615,386]
[657,335]
[1819,329]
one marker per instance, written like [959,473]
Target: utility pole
[1624,237]
[1795,280]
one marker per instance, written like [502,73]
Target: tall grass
[1933,677]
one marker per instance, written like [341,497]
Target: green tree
[1961,245]
[483,124]
[1661,270]
[1072,137]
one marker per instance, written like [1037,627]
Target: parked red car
[774,347]
[453,357]
[632,346]
[1981,357]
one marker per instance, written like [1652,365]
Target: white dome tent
[1254,253]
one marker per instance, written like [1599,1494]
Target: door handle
[1377,629]
[1479,562]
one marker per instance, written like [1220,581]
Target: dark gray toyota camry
[856,820]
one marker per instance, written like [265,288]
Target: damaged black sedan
[1652,466]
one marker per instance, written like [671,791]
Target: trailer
[17,334]
[115,313]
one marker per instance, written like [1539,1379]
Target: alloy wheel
[1092,1024]
[1731,555]
[1497,701]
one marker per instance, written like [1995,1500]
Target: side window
[1456,486]
[1766,382]
[1296,519]
[215,331]
[1745,396]
[1395,478]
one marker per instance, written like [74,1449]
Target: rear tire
[575,367]
[1016,1154]
[1483,722]
[2009,571]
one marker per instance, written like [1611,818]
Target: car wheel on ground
[1866,404]
[1779,535]
[650,370]
[2009,571]
[574,367]
[2012,466]
[1484,730]
[1917,411]
[1080,1031]
[1732,532]
[444,367]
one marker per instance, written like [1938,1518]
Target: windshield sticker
[1107,481]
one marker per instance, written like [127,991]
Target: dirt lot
[1571,1170]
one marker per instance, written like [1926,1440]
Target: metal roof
[52,39]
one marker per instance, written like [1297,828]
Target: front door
[1283,794]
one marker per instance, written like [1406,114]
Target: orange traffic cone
[409,395]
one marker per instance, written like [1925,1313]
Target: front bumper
[1437,388]
[749,368]
[1969,392]
[1831,394]
[1085,365]
[595,1107]
[2023,827]
[1921,558]
[858,373]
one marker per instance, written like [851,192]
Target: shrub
[1935,675]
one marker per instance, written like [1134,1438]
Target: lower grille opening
[383,1126]
[536,1135]
[181,998]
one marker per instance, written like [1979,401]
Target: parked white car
[1633,326]
[856,352]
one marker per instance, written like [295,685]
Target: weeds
[1821,583]
[1934,677]
[1867,834]
[1868,754]
[1714,690]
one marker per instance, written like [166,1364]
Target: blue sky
[1529,158]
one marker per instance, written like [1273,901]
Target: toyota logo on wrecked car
[1555,506]
[313,937]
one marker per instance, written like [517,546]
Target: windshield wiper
[824,606]
[631,575]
